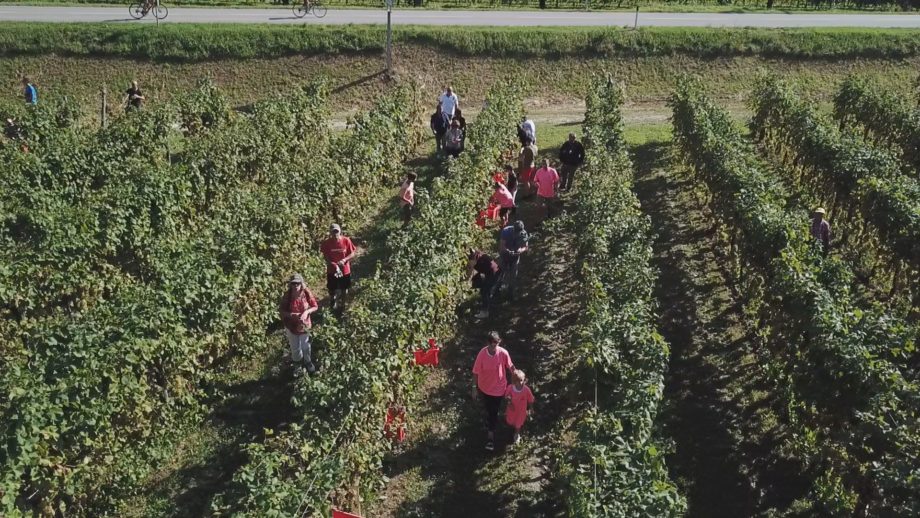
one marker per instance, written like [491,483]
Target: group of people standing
[298,303]
[496,381]
[448,124]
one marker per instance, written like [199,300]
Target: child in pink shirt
[519,397]
[547,180]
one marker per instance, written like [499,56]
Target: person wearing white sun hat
[820,228]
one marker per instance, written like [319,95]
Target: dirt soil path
[716,409]
[444,469]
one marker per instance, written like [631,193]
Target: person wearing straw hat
[295,308]
[820,228]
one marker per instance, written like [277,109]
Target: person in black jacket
[440,123]
[571,154]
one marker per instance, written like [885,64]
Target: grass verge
[196,42]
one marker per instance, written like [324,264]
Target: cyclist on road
[512,244]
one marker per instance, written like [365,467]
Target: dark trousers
[406,213]
[487,287]
[439,140]
[492,405]
[567,174]
[509,267]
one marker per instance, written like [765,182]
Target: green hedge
[192,42]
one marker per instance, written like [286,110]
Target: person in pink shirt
[407,197]
[502,197]
[547,180]
[519,398]
[490,379]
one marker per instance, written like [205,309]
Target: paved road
[504,18]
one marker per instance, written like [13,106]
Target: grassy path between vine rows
[717,412]
[444,469]
[254,394]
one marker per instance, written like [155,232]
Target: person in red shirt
[491,370]
[338,251]
[295,308]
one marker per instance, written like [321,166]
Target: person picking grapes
[295,308]
[338,251]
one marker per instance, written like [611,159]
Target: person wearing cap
[483,274]
[453,139]
[295,308]
[571,154]
[338,251]
[820,228]
[512,243]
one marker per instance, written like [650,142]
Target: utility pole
[636,22]
[389,39]
[104,105]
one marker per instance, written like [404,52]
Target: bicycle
[139,10]
[301,10]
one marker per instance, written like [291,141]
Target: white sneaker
[483,313]
[516,440]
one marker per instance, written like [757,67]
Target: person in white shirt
[530,129]
[449,102]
